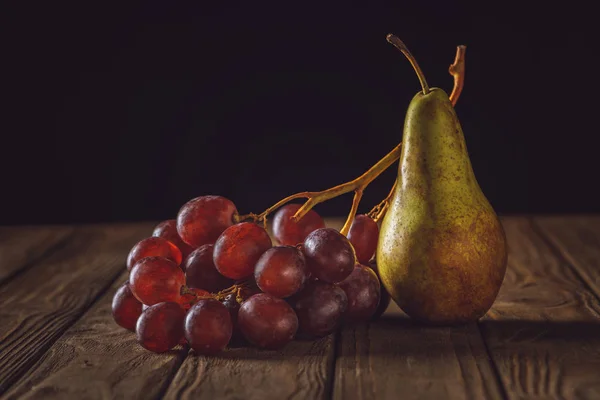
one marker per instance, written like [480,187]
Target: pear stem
[357,185]
[399,44]
[457,70]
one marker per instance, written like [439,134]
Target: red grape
[329,255]
[364,234]
[362,288]
[160,327]
[126,309]
[384,295]
[188,299]
[281,271]
[200,271]
[288,232]
[238,249]
[155,280]
[208,327]
[201,220]
[267,322]
[320,308]
[153,246]
[168,230]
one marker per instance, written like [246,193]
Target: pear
[442,250]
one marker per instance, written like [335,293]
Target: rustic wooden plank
[577,239]
[22,246]
[97,359]
[543,331]
[43,301]
[303,369]
[396,357]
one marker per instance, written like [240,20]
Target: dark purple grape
[281,271]
[201,220]
[364,234]
[362,288]
[267,322]
[208,327]
[238,249]
[201,273]
[126,308]
[320,307]
[288,232]
[329,255]
[160,327]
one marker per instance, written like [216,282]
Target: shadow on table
[399,336]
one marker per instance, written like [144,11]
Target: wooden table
[540,340]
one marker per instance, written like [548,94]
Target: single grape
[288,232]
[155,280]
[208,327]
[329,255]
[384,295]
[364,234]
[168,230]
[238,249]
[126,309]
[267,322]
[153,247]
[200,271]
[363,290]
[281,271]
[320,307]
[189,299]
[160,327]
[201,220]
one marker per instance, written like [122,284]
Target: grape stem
[379,210]
[357,185]
[457,70]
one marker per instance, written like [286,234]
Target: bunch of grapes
[209,277]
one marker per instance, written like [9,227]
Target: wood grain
[543,331]
[23,246]
[302,370]
[577,239]
[395,357]
[43,301]
[97,359]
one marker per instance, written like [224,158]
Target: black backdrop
[122,113]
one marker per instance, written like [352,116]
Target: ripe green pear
[442,251]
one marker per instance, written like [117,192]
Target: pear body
[442,250]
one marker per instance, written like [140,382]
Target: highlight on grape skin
[155,280]
[201,220]
[153,246]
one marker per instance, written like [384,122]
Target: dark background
[124,112]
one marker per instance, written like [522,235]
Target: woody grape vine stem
[358,185]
